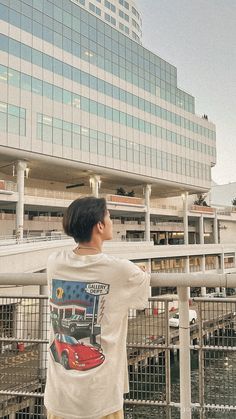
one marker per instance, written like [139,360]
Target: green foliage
[121,191]
[201,200]
[234,202]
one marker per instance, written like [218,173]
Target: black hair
[82,215]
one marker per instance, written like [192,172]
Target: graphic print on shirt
[76,310]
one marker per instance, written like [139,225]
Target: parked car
[78,323]
[174,320]
[216,295]
[75,355]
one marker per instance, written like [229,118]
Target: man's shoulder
[56,256]
[121,263]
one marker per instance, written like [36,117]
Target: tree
[234,202]
[201,200]
[121,191]
[131,193]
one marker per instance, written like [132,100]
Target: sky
[199,38]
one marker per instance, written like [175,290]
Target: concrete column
[222,260]
[166,237]
[185,216]
[201,229]
[203,269]
[95,183]
[215,229]
[148,189]
[20,167]
[187,271]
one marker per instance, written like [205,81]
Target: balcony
[202,209]
[163,383]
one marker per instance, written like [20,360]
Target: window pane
[3,121]
[26,82]
[13,78]
[13,124]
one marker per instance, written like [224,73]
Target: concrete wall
[227,232]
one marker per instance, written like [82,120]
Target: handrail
[9,240]
[214,280]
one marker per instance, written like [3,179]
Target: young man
[90,294]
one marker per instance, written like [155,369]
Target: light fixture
[27,172]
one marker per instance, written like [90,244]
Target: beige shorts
[115,415]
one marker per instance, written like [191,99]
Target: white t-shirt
[89,301]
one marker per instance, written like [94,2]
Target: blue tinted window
[47,90]
[26,23]
[48,34]
[57,94]
[47,62]
[4,12]
[14,78]
[25,52]
[37,86]
[37,57]
[14,47]
[26,82]
[14,18]
[37,29]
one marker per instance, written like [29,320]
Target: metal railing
[13,239]
[183,372]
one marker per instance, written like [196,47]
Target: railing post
[167,360]
[184,354]
[201,356]
[43,332]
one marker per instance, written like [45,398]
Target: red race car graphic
[75,355]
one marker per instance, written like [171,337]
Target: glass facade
[83,35]
[59,67]
[57,131]
[82,69]
[52,92]
[12,119]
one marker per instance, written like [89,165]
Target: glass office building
[75,86]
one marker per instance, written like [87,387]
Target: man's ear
[100,226]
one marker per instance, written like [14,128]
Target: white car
[174,320]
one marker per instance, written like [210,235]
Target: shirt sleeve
[137,287]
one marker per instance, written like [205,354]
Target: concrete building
[83,103]
[86,109]
[120,14]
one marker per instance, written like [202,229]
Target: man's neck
[88,248]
